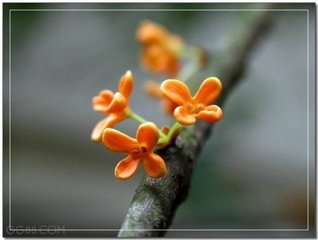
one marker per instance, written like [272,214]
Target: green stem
[189,52]
[174,128]
[167,138]
[137,118]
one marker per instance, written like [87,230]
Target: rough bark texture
[156,200]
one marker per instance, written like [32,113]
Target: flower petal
[169,106]
[183,117]
[118,104]
[102,101]
[148,134]
[208,91]
[172,65]
[126,84]
[126,168]
[107,95]
[212,113]
[154,165]
[118,141]
[110,121]
[152,88]
[176,91]
[155,58]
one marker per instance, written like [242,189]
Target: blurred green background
[252,174]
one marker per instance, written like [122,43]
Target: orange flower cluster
[161,54]
[161,49]
[116,106]
[141,149]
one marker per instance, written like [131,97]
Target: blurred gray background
[252,174]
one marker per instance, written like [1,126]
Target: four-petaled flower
[189,108]
[115,105]
[139,149]
[161,49]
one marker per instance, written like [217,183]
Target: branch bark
[156,200]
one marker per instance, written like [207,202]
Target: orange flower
[139,149]
[113,104]
[153,89]
[161,49]
[160,60]
[150,32]
[189,108]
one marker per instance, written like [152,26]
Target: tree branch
[156,200]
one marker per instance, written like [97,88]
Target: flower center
[194,108]
[139,150]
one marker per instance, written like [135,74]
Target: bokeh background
[252,174]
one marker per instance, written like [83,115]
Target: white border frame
[155,10]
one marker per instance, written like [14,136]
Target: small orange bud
[165,129]
[152,88]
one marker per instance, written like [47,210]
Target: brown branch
[156,200]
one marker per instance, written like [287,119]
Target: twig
[156,200]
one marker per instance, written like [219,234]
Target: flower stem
[137,118]
[174,128]
[189,52]
[134,116]
[167,138]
